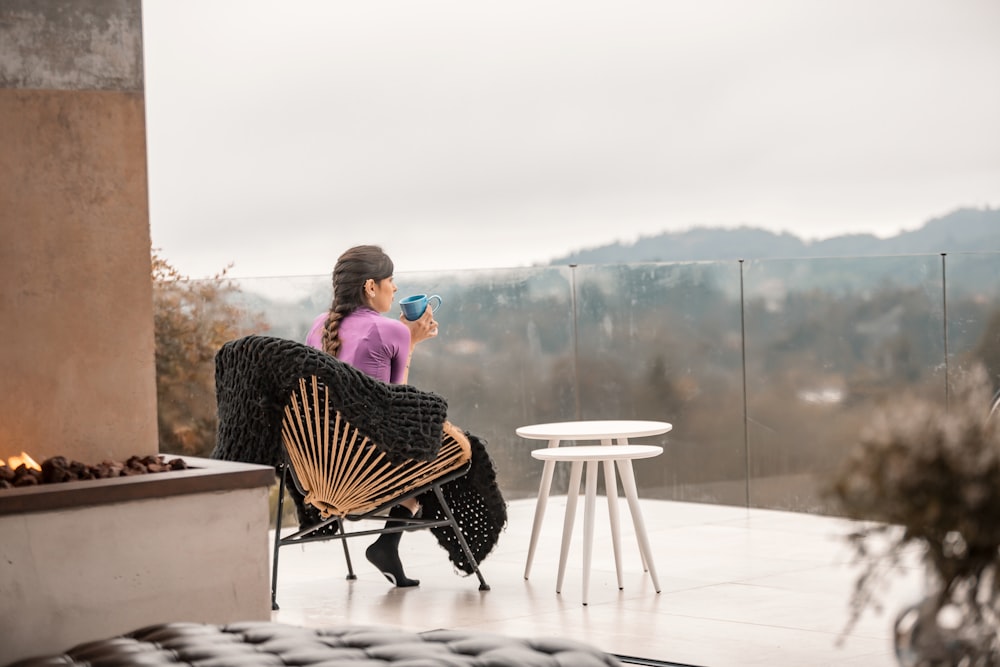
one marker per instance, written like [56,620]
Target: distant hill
[963,230]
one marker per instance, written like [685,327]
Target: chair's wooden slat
[320,453]
[304,420]
[290,433]
[361,468]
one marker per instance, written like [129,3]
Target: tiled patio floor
[739,587]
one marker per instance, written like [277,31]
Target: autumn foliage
[192,319]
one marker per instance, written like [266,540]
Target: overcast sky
[466,134]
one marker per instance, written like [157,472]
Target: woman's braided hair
[352,270]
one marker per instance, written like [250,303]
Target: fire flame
[15,461]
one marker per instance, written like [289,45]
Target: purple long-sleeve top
[376,345]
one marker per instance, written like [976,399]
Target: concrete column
[77,372]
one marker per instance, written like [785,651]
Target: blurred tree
[987,349]
[191,321]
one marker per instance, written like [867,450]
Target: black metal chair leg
[277,539]
[483,586]
[347,554]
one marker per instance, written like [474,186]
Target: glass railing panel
[286,305]
[502,358]
[192,319]
[662,342]
[827,341]
[973,306]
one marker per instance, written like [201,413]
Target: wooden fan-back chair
[346,477]
[348,447]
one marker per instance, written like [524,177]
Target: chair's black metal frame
[332,528]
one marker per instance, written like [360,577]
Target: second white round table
[609,456]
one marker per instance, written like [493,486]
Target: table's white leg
[628,484]
[543,497]
[588,525]
[642,555]
[574,491]
[611,486]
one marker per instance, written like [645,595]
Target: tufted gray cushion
[256,644]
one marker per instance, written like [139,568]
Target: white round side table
[606,431]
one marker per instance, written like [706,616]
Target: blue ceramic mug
[414,306]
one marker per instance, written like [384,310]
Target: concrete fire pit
[94,558]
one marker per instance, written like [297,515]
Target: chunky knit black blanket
[254,377]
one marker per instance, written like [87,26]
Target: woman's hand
[423,328]
[420,330]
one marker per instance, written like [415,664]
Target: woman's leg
[383,553]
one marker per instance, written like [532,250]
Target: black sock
[383,553]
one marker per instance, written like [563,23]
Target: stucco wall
[77,374]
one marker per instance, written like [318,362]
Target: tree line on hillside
[963,230]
